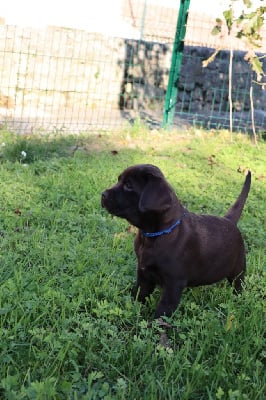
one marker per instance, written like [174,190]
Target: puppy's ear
[156,196]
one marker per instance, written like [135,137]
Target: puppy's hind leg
[237,282]
[237,279]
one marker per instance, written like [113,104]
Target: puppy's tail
[234,213]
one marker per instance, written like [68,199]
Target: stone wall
[58,67]
[199,89]
[58,76]
[207,88]
[145,78]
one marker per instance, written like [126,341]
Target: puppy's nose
[103,198]
[105,194]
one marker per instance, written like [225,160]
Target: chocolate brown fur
[200,250]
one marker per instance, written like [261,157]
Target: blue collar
[161,233]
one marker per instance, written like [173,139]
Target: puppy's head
[141,192]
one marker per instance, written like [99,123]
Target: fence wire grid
[66,79]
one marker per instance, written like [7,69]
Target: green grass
[68,326]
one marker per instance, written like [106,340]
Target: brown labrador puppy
[176,248]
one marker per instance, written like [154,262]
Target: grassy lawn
[68,326]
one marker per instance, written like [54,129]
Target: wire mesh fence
[65,79]
[203,93]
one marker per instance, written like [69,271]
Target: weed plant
[68,326]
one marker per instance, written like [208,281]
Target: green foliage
[248,26]
[229,18]
[217,29]
[68,326]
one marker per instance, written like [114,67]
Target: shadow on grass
[29,149]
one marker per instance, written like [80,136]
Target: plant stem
[230,90]
[252,114]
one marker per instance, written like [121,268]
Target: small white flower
[3,144]
[23,154]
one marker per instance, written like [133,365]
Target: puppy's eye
[128,186]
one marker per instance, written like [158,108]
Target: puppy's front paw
[135,292]
[163,324]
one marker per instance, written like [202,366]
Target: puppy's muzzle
[104,198]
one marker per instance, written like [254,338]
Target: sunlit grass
[68,326]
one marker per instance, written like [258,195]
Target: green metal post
[172,89]
[143,19]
